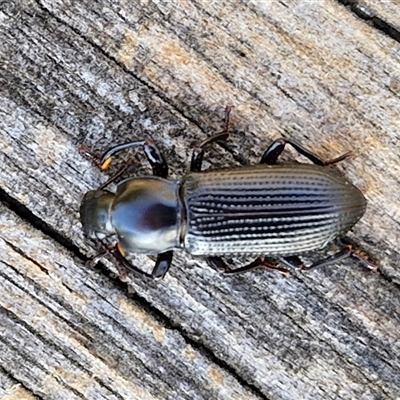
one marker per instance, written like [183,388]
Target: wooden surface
[99,73]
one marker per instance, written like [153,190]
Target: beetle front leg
[161,267]
[154,156]
[220,265]
[122,264]
[271,155]
[126,264]
[163,263]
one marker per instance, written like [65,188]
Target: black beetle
[263,210]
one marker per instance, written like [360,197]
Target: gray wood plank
[101,73]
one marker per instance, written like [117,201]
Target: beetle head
[95,214]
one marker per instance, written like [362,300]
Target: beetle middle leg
[220,265]
[198,152]
[293,262]
[273,152]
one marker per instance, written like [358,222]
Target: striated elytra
[268,210]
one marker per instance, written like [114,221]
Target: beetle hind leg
[348,251]
[220,265]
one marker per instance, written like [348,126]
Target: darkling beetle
[273,210]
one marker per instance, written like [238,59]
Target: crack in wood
[367,14]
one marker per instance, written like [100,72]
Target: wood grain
[99,73]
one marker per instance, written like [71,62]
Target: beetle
[270,209]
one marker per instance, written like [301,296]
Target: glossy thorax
[145,214]
[279,210]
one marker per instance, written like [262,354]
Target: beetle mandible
[262,210]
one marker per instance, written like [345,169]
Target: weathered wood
[75,73]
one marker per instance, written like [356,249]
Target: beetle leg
[163,263]
[228,110]
[105,159]
[348,251]
[219,264]
[153,154]
[119,256]
[293,262]
[271,155]
[109,250]
[198,152]
[156,159]
[122,263]
[161,267]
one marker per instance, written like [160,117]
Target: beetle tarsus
[363,258]
[344,156]
[228,110]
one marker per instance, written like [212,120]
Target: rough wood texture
[98,73]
